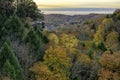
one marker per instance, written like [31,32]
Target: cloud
[48,6]
[78,3]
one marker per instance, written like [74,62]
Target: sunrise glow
[78,3]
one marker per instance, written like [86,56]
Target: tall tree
[112,40]
[28,8]
[9,62]
[58,62]
[99,36]
[7,7]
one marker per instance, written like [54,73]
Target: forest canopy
[88,51]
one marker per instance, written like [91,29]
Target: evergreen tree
[2,19]
[15,25]
[7,7]
[9,60]
[33,39]
[28,8]
[8,70]
[90,53]
[118,16]
[102,46]
[2,28]
[35,43]
[38,31]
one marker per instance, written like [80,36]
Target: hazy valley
[37,46]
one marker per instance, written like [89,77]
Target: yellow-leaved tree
[99,36]
[81,67]
[41,71]
[108,23]
[110,66]
[69,42]
[56,65]
[112,40]
[58,62]
[53,38]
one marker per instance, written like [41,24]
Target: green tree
[35,43]
[28,8]
[8,70]
[7,7]
[2,19]
[14,24]
[9,60]
[33,39]
[118,16]
[2,28]
[90,53]
[102,46]
[39,32]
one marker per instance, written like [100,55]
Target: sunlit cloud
[78,3]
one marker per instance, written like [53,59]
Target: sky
[78,3]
